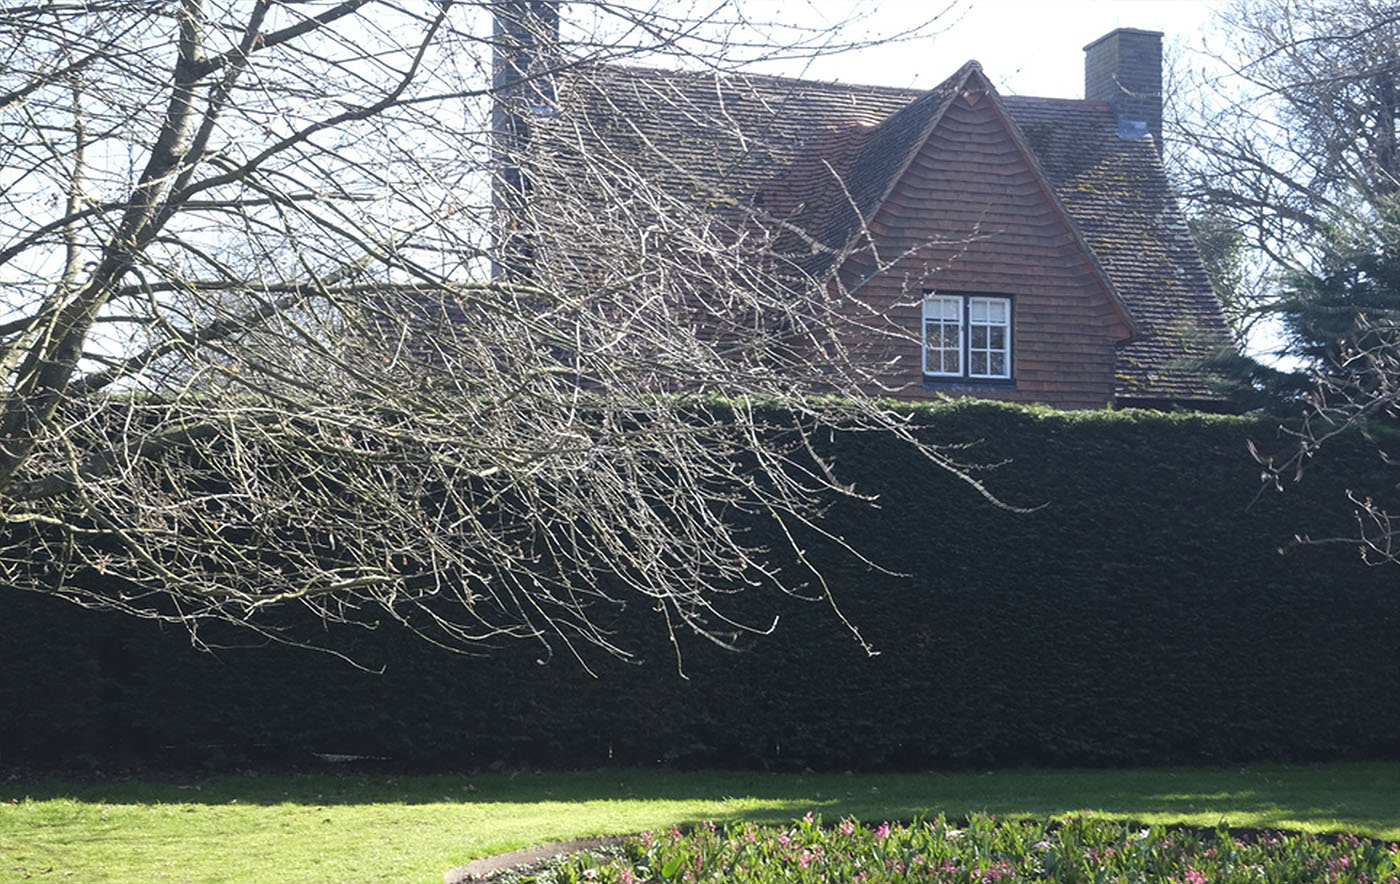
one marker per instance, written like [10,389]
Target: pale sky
[1026,47]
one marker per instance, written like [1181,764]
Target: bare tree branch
[263,344]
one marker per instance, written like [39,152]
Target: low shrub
[983,850]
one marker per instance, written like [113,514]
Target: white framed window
[943,325]
[967,336]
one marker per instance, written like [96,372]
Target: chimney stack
[1124,68]
[526,37]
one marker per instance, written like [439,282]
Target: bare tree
[1291,129]
[263,347]
[1292,156]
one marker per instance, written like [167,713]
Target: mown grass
[375,828]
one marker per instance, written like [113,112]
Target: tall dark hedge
[1155,609]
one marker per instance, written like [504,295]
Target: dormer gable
[959,142]
[968,246]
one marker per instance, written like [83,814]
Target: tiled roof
[875,156]
[1118,195]
[825,154]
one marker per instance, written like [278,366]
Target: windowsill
[967,385]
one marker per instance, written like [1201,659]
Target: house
[1027,249]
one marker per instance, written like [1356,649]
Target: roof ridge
[1094,103]
[912,92]
[683,73]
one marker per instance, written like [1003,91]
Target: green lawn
[360,829]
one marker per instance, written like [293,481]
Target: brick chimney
[526,38]
[1124,68]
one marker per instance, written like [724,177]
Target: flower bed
[984,850]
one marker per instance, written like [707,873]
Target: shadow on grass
[1353,797]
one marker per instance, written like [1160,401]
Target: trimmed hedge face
[1154,610]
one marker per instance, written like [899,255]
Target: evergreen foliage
[1154,609]
[1340,320]
[1349,305]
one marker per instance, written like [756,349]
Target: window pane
[943,308]
[978,310]
[978,362]
[933,360]
[942,336]
[979,337]
[998,364]
[996,311]
[997,336]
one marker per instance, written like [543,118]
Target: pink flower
[1194,876]
[883,831]
[848,826]
[626,877]
[809,819]
[805,859]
